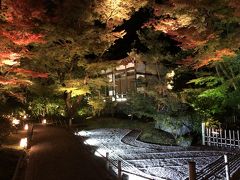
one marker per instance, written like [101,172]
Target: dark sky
[122,46]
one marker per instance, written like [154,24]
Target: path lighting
[25,117]
[26,127]
[82,133]
[44,121]
[134,177]
[100,152]
[91,142]
[23,143]
[15,121]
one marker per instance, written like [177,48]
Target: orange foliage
[19,17]
[217,56]
[21,12]
[188,36]
[9,55]
[9,58]
[13,81]
[23,38]
[164,25]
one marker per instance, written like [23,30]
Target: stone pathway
[56,154]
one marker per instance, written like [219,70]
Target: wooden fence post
[230,138]
[107,161]
[192,170]
[226,167]
[238,138]
[119,170]
[221,137]
[203,134]
[234,140]
[29,136]
[225,136]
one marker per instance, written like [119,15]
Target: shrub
[184,141]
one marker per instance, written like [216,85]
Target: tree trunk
[71,106]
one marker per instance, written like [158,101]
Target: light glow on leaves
[180,29]
[23,38]
[170,24]
[113,12]
[9,58]
[29,73]
[206,59]
[75,91]
[217,56]
[8,62]
[10,55]
[13,81]
[113,36]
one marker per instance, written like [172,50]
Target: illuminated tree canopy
[62,47]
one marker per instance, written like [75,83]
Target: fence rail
[120,166]
[225,167]
[220,137]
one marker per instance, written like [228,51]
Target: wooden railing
[120,167]
[220,137]
[223,168]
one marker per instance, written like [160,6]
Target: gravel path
[57,155]
[151,160]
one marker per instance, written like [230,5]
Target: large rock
[177,126]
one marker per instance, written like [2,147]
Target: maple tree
[17,32]
[68,52]
[199,25]
[60,47]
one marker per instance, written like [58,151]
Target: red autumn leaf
[23,38]
[13,81]
[9,55]
[217,56]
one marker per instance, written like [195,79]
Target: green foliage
[209,81]
[140,105]
[46,107]
[216,96]
[212,123]
[208,102]
[97,104]
[232,100]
